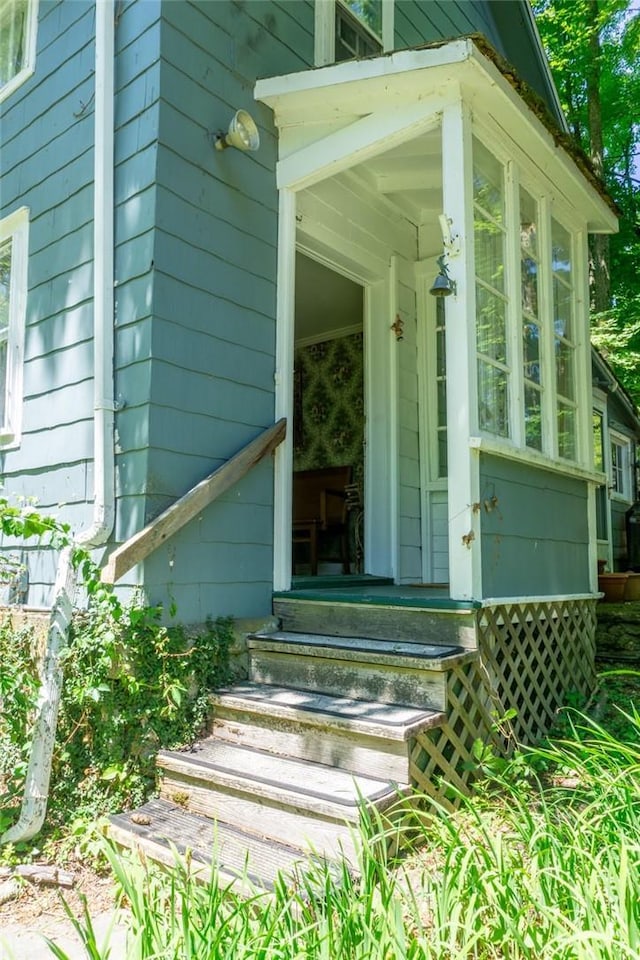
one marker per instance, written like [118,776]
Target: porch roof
[330,118]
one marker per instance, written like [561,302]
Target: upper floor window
[345,29]
[358,28]
[18,19]
[14,249]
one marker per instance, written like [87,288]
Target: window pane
[489,251]
[5,278]
[442,403]
[442,453]
[566,431]
[528,225]
[564,369]
[369,12]
[441,356]
[13,23]
[529,275]
[562,304]
[488,190]
[531,351]
[533,418]
[561,243]
[491,325]
[598,441]
[492,399]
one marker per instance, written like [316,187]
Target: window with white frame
[14,249]
[527,389]
[18,20]
[621,467]
[599,463]
[345,29]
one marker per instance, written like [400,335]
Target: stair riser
[290,825]
[377,622]
[347,751]
[361,681]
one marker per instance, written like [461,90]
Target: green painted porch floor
[374,591]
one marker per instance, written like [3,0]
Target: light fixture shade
[243,133]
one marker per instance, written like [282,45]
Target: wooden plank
[186,508]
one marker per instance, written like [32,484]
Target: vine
[132,685]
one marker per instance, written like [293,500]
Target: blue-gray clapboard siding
[535,542]
[212,388]
[47,165]
[196,238]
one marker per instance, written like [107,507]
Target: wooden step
[412,674]
[355,735]
[379,621]
[309,805]
[240,857]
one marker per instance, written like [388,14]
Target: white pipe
[34,802]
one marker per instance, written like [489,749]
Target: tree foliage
[594,52]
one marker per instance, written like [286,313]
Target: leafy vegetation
[594,52]
[543,863]
[132,685]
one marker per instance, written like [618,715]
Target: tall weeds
[544,867]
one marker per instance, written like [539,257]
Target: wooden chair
[321,514]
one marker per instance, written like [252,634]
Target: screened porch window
[526,343]
[491,292]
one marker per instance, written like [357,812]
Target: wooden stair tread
[425,656]
[365,717]
[158,826]
[303,783]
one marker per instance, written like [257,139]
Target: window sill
[15,82]
[529,457]
[621,498]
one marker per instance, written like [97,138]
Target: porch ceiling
[382,115]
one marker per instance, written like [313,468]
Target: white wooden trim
[15,227]
[514,306]
[394,417]
[360,141]
[388,25]
[582,340]
[285,325]
[324,37]
[425,269]
[378,533]
[465,570]
[556,598]
[504,449]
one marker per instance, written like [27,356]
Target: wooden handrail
[141,544]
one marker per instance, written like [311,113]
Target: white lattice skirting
[530,655]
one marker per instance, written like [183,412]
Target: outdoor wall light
[443,285]
[242,133]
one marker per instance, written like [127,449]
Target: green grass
[543,863]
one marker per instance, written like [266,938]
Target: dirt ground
[38,912]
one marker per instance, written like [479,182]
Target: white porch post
[465,575]
[285,314]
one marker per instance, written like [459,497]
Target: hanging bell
[442,286]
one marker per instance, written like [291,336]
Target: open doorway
[328,423]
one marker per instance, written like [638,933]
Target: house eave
[307,105]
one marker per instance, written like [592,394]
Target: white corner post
[465,575]
[285,319]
